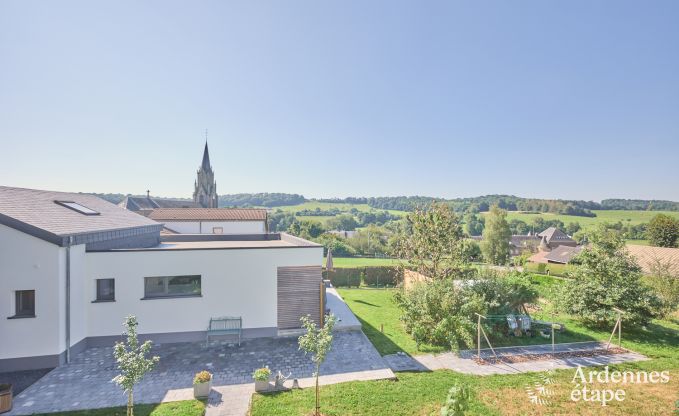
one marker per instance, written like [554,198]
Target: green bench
[224,325]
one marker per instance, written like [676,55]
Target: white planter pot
[261,385]
[202,390]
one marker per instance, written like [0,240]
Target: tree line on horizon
[410,203]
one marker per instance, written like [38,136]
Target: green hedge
[344,277]
[369,276]
[381,276]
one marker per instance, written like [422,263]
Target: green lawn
[182,408]
[425,393]
[612,216]
[361,262]
[312,205]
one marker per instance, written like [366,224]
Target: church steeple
[206,158]
[205,187]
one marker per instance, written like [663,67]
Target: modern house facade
[72,266]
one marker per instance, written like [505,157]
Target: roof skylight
[77,207]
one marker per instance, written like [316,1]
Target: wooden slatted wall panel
[298,294]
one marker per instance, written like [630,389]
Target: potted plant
[5,398]
[202,384]
[262,376]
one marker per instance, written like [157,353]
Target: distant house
[144,205]
[211,220]
[547,240]
[554,237]
[342,233]
[560,255]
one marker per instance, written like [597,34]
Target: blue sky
[570,99]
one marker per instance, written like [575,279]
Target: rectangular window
[24,305]
[217,230]
[171,286]
[106,290]
[77,207]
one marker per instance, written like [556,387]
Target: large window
[171,286]
[24,304]
[106,290]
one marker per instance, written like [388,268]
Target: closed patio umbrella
[328,261]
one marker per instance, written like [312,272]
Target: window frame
[215,229]
[167,294]
[98,299]
[18,301]
[76,206]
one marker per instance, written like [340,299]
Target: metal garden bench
[224,325]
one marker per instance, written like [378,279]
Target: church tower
[205,191]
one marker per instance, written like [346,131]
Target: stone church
[204,193]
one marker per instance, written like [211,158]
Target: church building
[205,187]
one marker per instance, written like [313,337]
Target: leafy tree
[663,231]
[572,228]
[518,227]
[496,235]
[432,242]
[664,281]
[604,276]
[473,224]
[440,312]
[306,229]
[280,221]
[370,240]
[317,342]
[344,222]
[504,293]
[471,251]
[339,246]
[132,361]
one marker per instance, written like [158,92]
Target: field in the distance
[325,206]
[611,216]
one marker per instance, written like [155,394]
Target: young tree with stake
[317,341]
[132,361]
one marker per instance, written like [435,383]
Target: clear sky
[567,99]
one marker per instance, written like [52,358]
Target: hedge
[547,268]
[369,276]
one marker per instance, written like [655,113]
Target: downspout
[68,299]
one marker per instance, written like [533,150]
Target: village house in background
[211,220]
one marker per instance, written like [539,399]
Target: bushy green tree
[306,229]
[317,342]
[440,312]
[664,280]
[431,242]
[132,361]
[473,224]
[343,222]
[496,235]
[604,276]
[504,293]
[663,231]
[338,245]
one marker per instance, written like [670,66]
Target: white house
[72,266]
[211,220]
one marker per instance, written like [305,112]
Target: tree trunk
[318,406]
[130,404]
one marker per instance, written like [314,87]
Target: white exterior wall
[241,282]
[205,227]
[28,263]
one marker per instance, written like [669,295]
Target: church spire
[206,158]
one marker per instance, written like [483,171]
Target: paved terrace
[85,383]
[465,363]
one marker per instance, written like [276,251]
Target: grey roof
[206,159]
[563,254]
[142,203]
[35,212]
[553,234]
[523,240]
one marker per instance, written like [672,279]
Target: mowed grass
[425,393]
[611,216]
[324,206]
[342,262]
[181,408]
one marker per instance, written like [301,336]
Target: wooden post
[552,337]
[322,318]
[382,328]
[478,337]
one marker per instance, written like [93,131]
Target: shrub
[346,277]
[664,280]
[262,374]
[440,313]
[457,402]
[504,293]
[202,377]
[607,276]
[382,276]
